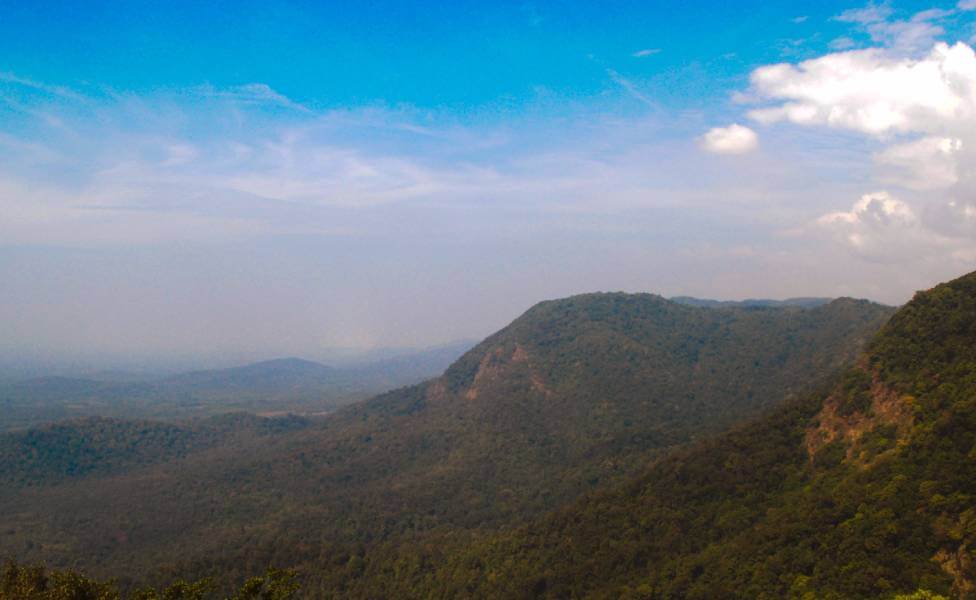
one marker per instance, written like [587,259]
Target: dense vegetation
[99,446]
[574,396]
[754,303]
[21,582]
[865,490]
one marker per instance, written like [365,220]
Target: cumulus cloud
[873,92]
[878,227]
[913,100]
[922,110]
[734,139]
[884,229]
[958,216]
[878,209]
[924,164]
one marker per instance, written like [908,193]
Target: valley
[574,396]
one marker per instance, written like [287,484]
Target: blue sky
[461,56]
[248,180]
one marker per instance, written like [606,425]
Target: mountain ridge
[573,395]
[802,302]
[863,489]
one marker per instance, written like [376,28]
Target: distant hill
[274,386]
[282,372]
[396,355]
[396,368]
[54,386]
[573,396]
[752,303]
[865,489]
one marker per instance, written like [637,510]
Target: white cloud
[917,32]
[873,92]
[734,139]
[630,87]
[877,227]
[922,109]
[963,211]
[913,100]
[927,163]
[878,209]
[882,228]
[254,94]
[842,43]
[646,52]
[54,90]
[216,163]
[179,154]
[872,13]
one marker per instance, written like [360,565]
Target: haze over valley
[565,300]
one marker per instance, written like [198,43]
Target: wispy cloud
[842,43]
[867,15]
[234,165]
[54,90]
[254,93]
[212,163]
[646,52]
[630,87]
[916,33]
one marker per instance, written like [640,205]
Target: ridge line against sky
[385,175]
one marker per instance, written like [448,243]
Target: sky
[219,182]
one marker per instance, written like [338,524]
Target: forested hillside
[575,395]
[864,490]
[99,446]
[36,582]
[751,303]
[339,300]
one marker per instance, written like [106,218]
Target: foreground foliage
[22,582]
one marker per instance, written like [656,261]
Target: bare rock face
[833,424]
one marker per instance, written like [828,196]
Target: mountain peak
[864,490]
[931,341]
[752,302]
